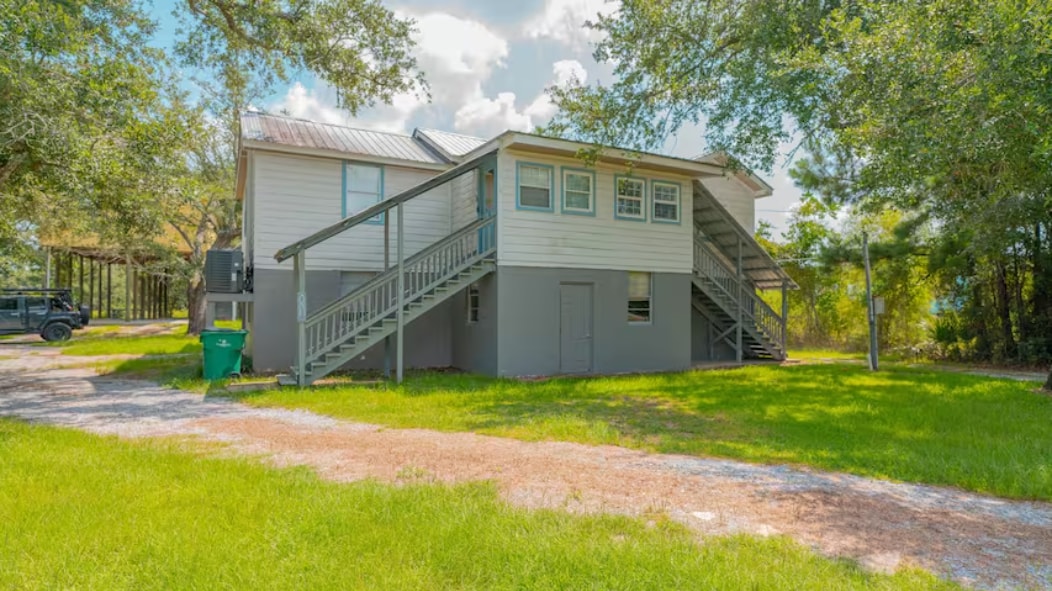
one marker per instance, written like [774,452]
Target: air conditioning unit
[224,271]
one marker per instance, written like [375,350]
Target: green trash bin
[222,352]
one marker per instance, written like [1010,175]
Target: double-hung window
[664,201]
[363,186]
[578,191]
[534,190]
[629,199]
[639,296]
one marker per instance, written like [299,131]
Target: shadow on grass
[909,424]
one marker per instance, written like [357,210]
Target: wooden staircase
[351,325]
[721,296]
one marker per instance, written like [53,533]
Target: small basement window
[629,199]
[473,303]
[534,186]
[639,291]
[665,202]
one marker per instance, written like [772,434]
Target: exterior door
[575,328]
[11,314]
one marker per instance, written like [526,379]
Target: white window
[665,201]
[473,303]
[578,191]
[363,186]
[639,291]
[535,186]
[629,198]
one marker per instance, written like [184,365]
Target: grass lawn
[918,425]
[831,354]
[80,511]
[163,344]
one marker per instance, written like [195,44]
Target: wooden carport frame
[146,294]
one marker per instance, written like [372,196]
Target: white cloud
[488,117]
[564,21]
[306,103]
[456,55]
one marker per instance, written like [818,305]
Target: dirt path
[973,539]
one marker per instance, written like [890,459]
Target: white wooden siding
[735,198]
[464,189]
[295,196]
[553,239]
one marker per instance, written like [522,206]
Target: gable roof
[261,128]
[452,146]
[756,185]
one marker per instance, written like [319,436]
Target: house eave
[536,144]
[338,155]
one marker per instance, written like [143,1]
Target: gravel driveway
[980,541]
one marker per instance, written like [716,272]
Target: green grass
[820,354]
[80,511]
[944,428]
[165,344]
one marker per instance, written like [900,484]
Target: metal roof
[720,227]
[299,133]
[451,145]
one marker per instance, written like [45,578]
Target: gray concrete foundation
[528,310]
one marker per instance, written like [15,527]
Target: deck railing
[377,299]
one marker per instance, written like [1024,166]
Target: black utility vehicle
[49,312]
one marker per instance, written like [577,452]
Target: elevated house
[507,256]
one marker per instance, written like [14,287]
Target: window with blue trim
[665,202]
[535,186]
[629,198]
[578,191]
[363,186]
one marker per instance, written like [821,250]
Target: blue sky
[487,64]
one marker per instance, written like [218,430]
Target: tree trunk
[195,304]
[1004,314]
[1048,383]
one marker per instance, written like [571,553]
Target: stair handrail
[708,264]
[377,298]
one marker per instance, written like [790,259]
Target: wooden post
[400,354]
[109,289]
[91,283]
[387,265]
[300,277]
[741,296]
[874,363]
[127,288]
[47,267]
[785,319]
[80,293]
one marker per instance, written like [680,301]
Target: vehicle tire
[85,314]
[57,331]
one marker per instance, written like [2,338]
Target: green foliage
[934,427]
[359,47]
[81,511]
[84,101]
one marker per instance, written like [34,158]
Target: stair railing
[377,298]
[708,265]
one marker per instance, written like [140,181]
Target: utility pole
[871,312]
